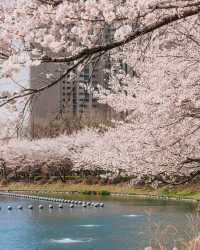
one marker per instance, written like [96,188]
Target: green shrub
[104,192]
[89,192]
[86,192]
[93,192]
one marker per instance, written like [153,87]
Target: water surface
[123,224]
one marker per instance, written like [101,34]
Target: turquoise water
[120,225]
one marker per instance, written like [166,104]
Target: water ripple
[71,241]
[132,215]
[90,225]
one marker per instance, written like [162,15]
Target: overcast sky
[21,78]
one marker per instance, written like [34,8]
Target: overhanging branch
[139,32]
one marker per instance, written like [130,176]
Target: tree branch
[139,32]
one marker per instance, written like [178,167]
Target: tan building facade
[69,96]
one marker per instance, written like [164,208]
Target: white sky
[8,117]
[21,78]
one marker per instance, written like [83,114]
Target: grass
[188,191]
[191,191]
[82,188]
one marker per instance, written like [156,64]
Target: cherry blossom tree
[153,47]
[34,32]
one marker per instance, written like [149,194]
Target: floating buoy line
[61,203]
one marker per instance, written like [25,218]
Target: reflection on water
[70,241]
[122,225]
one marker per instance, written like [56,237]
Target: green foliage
[104,192]
[93,192]
[89,192]
[179,193]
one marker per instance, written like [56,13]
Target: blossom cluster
[154,78]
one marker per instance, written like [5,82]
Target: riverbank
[81,188]
[181,192]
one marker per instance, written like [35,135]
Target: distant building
[45,104]
[68,96]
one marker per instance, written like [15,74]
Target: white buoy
[60,205]
[50,206]
[30,207]
[71,205]
[9,208]
[84,205]
[20,207]
[41,206]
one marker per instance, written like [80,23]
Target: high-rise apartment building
[69,96]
